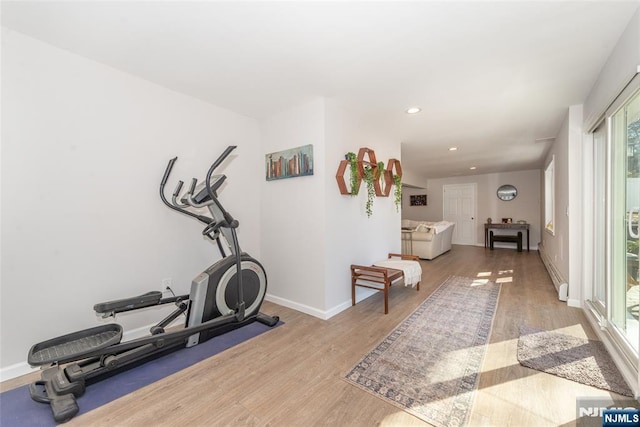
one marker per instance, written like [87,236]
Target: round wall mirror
[507,192]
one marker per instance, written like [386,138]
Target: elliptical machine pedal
[59,392]
[267,320]
[74,346]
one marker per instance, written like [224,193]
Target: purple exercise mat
[17,409]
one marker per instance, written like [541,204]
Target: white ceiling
[491,77]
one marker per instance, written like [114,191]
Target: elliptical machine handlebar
[230,222]
[167,171]
[176,206]
[221,158]
[176,192]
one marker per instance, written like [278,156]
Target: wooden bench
[378,278]
[517,239]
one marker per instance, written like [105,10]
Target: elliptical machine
[224,297]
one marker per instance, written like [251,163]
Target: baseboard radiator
[558,281]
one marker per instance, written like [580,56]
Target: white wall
[83,150]
[563,247]
[293,212]
[557,245]
[311,233]
[352,237]
[84,147]
[412,178]
[623,63]
[525,206]
[414,212]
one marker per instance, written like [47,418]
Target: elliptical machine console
[224,297]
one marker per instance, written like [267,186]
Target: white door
[459,206]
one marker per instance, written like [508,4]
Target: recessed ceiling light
[472,168]
[453,148]
[413,110]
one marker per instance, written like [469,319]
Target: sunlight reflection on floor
[479,282]
[509,393]
[525,397]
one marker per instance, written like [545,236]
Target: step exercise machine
[224,297]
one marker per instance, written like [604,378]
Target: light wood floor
[291,376]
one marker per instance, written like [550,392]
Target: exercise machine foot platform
[224,297]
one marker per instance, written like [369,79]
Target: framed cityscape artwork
[289,163]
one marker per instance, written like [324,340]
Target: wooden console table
[502,226]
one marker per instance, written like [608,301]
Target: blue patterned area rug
[430,364]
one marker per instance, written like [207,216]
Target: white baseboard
[574,303]
[15,371]
[337,309]
[630,375]
[315,312]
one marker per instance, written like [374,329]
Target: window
[624,205]
[549,197]
[616,187]
[599,218]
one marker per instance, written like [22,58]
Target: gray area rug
[430,364]
[576,359]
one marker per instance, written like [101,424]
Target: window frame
[549,197]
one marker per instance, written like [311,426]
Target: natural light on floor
[501,374]
[508,279]
[479,282]
[504,383]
